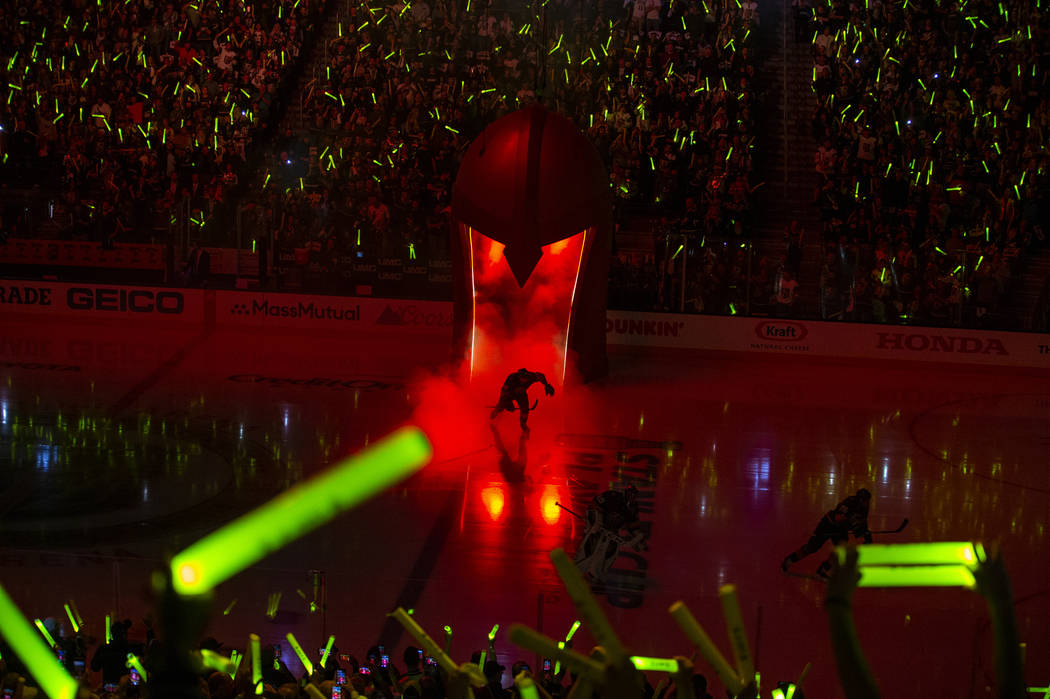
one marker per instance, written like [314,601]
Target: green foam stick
[215,661]
[654,664]
[917,576]
[434,650]
[38,658]
[253,644]
[307,665]
[521,635]
[43,630]
[327,650]
[308,505]
[695,633]
[588,606]
[72,619]
[526,687]
[76,612]
[134,662]
[745,666]
[934,553]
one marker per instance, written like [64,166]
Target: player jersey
[517,382]
[851,514]
[616,512]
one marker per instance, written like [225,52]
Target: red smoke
[514,327]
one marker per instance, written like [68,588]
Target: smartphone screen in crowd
[364,670]
[340,676]
[384,660]
[546,664]
[337,692]
[136,678]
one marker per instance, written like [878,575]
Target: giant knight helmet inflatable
[532,229]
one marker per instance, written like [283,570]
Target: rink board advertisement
[276,310]
[81,253]
[98,301]
[392,317]
[823,339]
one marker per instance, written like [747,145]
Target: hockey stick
[805,576]
[904,523]
[535,402]
[611,535]
[574,514]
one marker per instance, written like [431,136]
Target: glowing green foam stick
[109,633]
[526,687]
[76,613]
[935,553]
[253,644]
[236,659]
[695,633]
[492,633]
[38,658]
[573,629]
[327,650]
[521,635]
[216,662]
[308,505]
[745,666]
[434,650]
[307,665]
[43,630]
[917,576]
[133,661]
[587,606]
[72,619]
[655,664]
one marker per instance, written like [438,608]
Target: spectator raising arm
[854,674]
[994,585]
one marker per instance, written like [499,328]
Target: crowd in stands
[664,90]
[718,277]
[381,673]
[131,110]
[932,121]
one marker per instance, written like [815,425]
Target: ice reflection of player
[610,512]
[849,517]
[515,389]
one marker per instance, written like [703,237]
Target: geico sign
[920,342]
[134,300]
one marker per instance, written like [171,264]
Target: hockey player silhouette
[515,390]
[849,517]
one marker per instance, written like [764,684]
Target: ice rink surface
[120,445]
